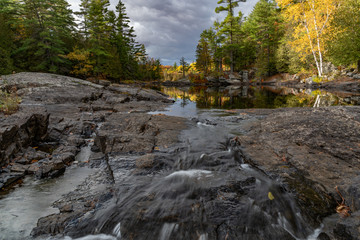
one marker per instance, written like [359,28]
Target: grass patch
[9,102]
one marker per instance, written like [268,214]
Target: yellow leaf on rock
[271,196]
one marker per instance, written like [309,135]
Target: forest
[279,36]
[47,36]
[282,36]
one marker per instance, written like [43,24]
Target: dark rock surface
[59,115]
[312,151]
[139,172]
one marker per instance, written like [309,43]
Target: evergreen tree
[203,57]
[230,25]
[84,15]
[127,48]
[9,20]
[264,27]
[184,65]
[344,35]
[99,39]
[214,41]
[43,45]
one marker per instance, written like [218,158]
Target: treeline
[43,35]
[282,36]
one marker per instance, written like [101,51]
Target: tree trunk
[231,61]
[358,65]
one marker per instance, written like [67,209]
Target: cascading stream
[203,190]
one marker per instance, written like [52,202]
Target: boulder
[21,129]
[356,76]
[328,68]
[312,151]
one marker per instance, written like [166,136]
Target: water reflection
[242,97]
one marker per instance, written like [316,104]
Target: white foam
[117,230]
[203,236]
[166,230]
[193,173]
[96,237]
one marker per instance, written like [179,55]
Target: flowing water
[21,208]
[200,189]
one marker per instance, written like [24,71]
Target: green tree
[84,15]
[230,25]
[129,51]
[44,43]
[203,57]
[9,20]
[184,65]
[99,38]
[265,28]
[344,34]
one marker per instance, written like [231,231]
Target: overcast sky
[170,29]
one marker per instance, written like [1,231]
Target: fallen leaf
[342,209]
[231,111]
[271,196]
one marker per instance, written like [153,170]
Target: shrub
[9,103]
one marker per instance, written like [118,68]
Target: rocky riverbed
[245,174]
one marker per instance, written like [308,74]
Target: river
[202,190]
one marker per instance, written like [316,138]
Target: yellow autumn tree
[311,20]
[82,65]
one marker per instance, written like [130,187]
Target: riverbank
[58,116]
[313,151]
[181,177]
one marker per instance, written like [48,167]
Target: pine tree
[203,57]
[44,42]
[264,27]
[230,25]
[184,65]
[344,35]
[9,20]
[128,49]
[84,15]
[99,40]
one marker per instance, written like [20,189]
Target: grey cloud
[171,29]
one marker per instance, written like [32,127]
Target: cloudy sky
[170,29]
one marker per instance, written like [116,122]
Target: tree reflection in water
[243,97]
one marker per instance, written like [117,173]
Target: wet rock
[50,168]
[20,168]
[66,149]
[308,81]
[57,113]
[146,161]
[20,130]
[328,68]
[65,157]
[137,132]
[312,150]
[356,76]
[32,155]
[323,236]
[350,74]
[75,140]
[54,224]
[104,83]
[7,179]
[88,129]
[66,208]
